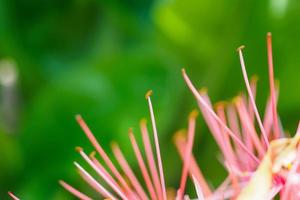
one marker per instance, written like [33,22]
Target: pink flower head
[261,163]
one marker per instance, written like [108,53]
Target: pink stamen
[128,171]
[106,193]
[160,166]
[219,134]
[188,152]
[245,119]
[142,165]
[233,120]
[202,101]
[268,119]
[210,120]
[234,125]
[74,191]
[13,196]
[102,174]
[248,141]
[194,169]
[198,189]
[247,138]
[102,153]
[229,154]
[91,183]
[253,83]
[100,166]
[272,85]
[150,158]
[251,95]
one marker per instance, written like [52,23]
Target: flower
[261,163]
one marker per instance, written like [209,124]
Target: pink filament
[128,171]
[74,191]
[99,165]
[253,83]
[13,196]
[188,153]
[210,120]
[251,96]
[246,120]
[142,166]
[103,174]
[150,158]
[160,167]
[202,101]
[91,182]
[272,85]
[194,169]
[102,153]
[229,154]
[106,193]
[228,151]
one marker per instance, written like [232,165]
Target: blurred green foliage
[98,58]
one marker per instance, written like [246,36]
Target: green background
[98,58]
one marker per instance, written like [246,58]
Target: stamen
[194,169]
[74,191]
[228,151]
[102,174]
[102,153]
[202,101]
[231,161]
[13,196]
[272,85]
[253,85]
[233,120]
[235,127]
[99,165]
[198,189]
[246,136]
[95,183]
[128,171]
[160,167]
[91,183]
[245,119]
[251,95]
[268,118]
[142,165]
[188,152]
[212,124]
[150,158]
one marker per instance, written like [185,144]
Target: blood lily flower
[260,163]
